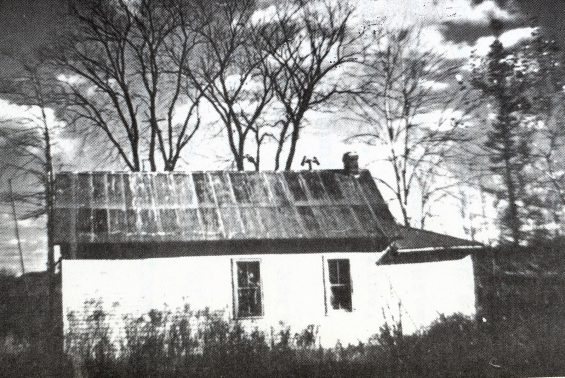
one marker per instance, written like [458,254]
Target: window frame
[235,288]
[328,286]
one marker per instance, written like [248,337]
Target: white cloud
[434,85]
[15,115]
[71,79]
[439,119]
[433,38]
[14,241]
[26,115]
[403,13]
[262,15]
[508,39]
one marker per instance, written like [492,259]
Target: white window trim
[235,287]
[327,285]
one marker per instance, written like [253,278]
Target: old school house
[266,248]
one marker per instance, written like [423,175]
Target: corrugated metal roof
[413,239]
[413,245]
[218,205]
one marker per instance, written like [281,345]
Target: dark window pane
[84,220]
[339,271]
[249,302]
[295,186]
[241,274]
[332,271]
[100,220]
[248,288]
[343,271]
[240,187]
[340,284]
[315,186]
[203,189]
[99,189]
[341,298]
[308,219]
[332,185]
[254,273]
[222,188]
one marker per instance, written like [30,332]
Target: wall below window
[294,286]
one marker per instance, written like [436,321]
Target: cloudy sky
[454,27]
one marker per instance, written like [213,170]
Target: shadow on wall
[185,329]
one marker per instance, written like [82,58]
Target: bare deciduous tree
[408,104]
[309,52]
[122,66]
[30,161]
[229,74]
[548,144]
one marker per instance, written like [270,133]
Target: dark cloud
[548,14]
[464,32]
[28,25]
[469,32]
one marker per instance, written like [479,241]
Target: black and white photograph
[282,188]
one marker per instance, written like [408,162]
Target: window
[248,301]
[340,284]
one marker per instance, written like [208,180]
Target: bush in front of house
[186,343]
[205,344]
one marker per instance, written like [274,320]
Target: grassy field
[519,331]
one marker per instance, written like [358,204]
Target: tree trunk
[293,143]
[512,206]
[282,137]
[49,206]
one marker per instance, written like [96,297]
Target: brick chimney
[351,163]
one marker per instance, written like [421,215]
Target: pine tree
[501,77]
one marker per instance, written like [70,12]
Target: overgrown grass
[204,344]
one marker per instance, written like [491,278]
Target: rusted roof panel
[220,205]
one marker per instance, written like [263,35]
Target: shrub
[204,344]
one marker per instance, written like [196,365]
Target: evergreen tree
[502,77]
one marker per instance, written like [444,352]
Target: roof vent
[351,163]
[311,161]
